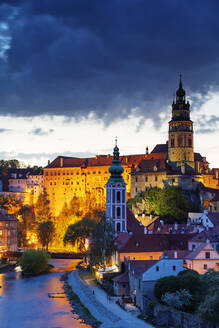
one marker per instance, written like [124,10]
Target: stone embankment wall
[165,315]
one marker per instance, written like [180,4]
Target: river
[24,302]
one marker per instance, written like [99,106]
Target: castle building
[84,178]
[116,195]
[180,143]
[175,163]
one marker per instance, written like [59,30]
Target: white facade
[116,206]
[163,268]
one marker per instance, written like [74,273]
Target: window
[1,232]
[174,268]
[118,196]
[157,268]
[155,178]
[136,179]
[136,189]
[172,143]
[118,211]
[207,255]
[205,267]
[146,179]
[151,257]
[118,226]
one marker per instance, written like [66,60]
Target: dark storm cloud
[72,57]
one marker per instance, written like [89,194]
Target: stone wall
[165,315]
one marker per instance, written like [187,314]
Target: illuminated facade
[175,163]
[116,195]
[83,178]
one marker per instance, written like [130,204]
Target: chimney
[61,162]
[175,254]
[48,161]
[145,230]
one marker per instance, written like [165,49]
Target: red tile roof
[133,225]
[123,278]
[154,243]
[99,160]
[179,254]
[153,165]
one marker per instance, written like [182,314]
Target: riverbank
[77,306]
[99,305]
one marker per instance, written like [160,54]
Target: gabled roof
[176,254]
[140,266]
[192,255]
[133,225]
[153,165]
[154,242]
[99,160]
[122,278]
[160,148]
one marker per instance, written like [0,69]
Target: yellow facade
[62,184]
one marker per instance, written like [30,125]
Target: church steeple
[116,194]
[116,168]
[180,108]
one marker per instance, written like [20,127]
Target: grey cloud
[41,132]
[73,57]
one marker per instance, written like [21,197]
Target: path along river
[24,302]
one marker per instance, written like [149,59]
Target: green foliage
[34,262]
[191,281]
[179,300]
[169,203]
[77,233]
[46,232]
[209,308]
[169,284]
[102,243]
[11,204]
[11,163]
[42,209]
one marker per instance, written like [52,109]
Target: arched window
[118,196]
[172,143]
[118,212]
[118,227]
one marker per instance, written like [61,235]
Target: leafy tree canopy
[46,231]
[34,261]
[11,204]
[42,209]
[170,203]
[102,243]
[77,233]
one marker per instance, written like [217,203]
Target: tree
[169,203]
[11,163]
[34,261]
[26,223]
[102,243]
[46,231]
[42,209]
[169,284]
[179,300]
[77,233]
[11,204]
[208,309]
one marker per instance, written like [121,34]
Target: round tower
[180,143]
[116,194]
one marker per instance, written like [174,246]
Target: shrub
[180,299]
[208,309]
[34,262]
[165,285]
[191,282]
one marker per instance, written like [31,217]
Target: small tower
[116,195]
[180,144]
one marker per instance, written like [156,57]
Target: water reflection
[24,302]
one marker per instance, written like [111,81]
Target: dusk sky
[74,74]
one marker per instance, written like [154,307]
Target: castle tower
[180,144]
[116,194]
